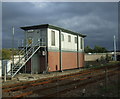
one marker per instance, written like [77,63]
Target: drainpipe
[78,61]
[5,66]
[60,50]
[46,47]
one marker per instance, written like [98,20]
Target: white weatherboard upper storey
[65,45]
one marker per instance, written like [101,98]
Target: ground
[97,89]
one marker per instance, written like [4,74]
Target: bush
[6,54]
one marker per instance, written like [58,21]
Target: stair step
[30,52]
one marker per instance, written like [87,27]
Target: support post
[18,50]
[46,44]
[45,59]
[5,72]
[115,59]
[12,50]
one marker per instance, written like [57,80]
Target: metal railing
[27,54]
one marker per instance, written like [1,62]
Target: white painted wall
[65,45]
[8,66]
[71,46]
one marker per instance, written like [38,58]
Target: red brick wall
[69,60]
[81,56]
[53,61]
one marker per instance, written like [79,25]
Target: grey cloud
[97,20]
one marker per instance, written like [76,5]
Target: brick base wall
[69,60]
[53,61]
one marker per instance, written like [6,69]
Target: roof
[52,27]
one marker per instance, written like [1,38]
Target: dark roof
[52,27]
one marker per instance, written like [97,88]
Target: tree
[7,53]
[99,49]
[88,49]
[96,49]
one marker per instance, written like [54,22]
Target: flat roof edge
[52,27]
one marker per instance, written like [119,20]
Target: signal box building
[51,48]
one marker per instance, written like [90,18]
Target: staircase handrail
[32,48]
[23,49]
[28,52]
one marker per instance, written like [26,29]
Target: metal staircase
[26,53]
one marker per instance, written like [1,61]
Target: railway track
[65,86]
[57,79]
[79,85]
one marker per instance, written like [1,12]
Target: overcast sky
[99,21]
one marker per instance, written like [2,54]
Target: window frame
[75,39]
[81,43]
[62,37]
[69,38]
[52,38]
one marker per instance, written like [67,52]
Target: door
[35,68]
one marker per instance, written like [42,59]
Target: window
[30,40]
[81,43]
[75,39]
[62,37]
[69,38]
[53,38]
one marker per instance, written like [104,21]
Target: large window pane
[69,38]
[53,38]
[75,39]
[62,37]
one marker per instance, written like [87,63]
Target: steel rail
[21,84]
[49,81]
[38,90]
[80,85]
[45,82]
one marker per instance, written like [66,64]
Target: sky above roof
[98,20]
